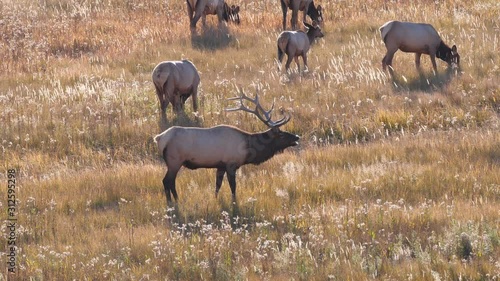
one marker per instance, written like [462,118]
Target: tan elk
[225,148]
[418,38]
[174,82]
[308,8]
[202,8]
[296,44]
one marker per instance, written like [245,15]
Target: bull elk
[174,82]
[418,38]
[296,44]
[225,148]
[308,8]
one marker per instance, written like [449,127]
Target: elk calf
[174,82]
[225,148]
[418,38]
[297,43]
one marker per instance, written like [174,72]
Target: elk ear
[236,9]
[307,25]
[454,49]
[319,8]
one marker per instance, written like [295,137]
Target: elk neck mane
[260,147]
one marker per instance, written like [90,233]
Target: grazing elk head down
[232,13]
[315,13]
[447,54]
[308,8]
[223,147]
[418,38]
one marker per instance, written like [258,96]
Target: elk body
[174,82]
[296,44]
[418,38]
[202,8]
[308,8]
[225,148]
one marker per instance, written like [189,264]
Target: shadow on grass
[424,83]
[230,217]
[211,38]
[180,119]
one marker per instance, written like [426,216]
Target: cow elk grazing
[418,38]
[306,6]
[297,43]
[224,147]
[174,82]
[202,8]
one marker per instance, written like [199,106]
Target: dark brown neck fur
[443,51]
[260,147]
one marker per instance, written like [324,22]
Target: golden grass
[389,178]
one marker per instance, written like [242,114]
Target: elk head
[264,145]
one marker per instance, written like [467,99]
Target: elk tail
[159,91]
[384,29]
[162,141]
[282,43]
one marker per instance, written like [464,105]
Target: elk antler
[258,110]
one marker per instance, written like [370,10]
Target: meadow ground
[394,179]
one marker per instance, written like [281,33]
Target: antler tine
[259,110]
[282,121]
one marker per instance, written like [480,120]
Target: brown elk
[225,148]
[296,44]
[418,38]
[308,8]
[174,82]
[202,8]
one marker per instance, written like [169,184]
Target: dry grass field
[394,179]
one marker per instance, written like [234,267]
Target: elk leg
[295,14]
[189,10]
[433,60]
[204,20]
[161,98]
[199,8]
[387,60]
[304,58]
[288,62]
[194,97]
[218,180]
[169,91]
[306,8]
[220,14]
[297,62]
[417,60]
[231,178]
[284,9]
[169,185]
[177,103]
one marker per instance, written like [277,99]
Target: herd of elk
[227,148]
